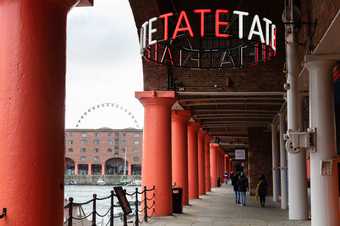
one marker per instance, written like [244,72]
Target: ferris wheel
[116,106]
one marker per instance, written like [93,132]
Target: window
[96,150]
[96,141]
[116,147]
[70,150]
[136,142]
[82,158]
[84,135]
[136,135]
[116,153]
[110,142]
[109,150]
[70,142]
[109,134]
[83,141]
[96,158]
[123,150]
[82,149]
[97,134]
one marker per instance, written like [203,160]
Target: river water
[82,193]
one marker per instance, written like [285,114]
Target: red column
[193,160]
[129,169]
[201,162]
[213,164]
[156,170]
[76,169]
[179,145]
[89,169]
[103,169]
[32,100]
[207,163]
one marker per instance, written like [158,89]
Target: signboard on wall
[240,154]
[227,39]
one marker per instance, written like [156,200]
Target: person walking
[261,190]
[234,183]
[242,188]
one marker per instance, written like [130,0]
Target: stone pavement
[219,209]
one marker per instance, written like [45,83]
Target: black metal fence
[4,213]
[142,203]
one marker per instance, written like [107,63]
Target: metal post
[94,210]
[275,164]
[136,208]
[112,209]
[297,177]
[145,204]
[283,166]
[324,184]
[70,212]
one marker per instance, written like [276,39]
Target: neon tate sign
[157,41]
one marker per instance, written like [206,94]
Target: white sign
[240,154]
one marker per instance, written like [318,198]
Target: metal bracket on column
[286,86]
[4,213]
[297,141]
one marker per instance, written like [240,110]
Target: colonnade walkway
[218,208]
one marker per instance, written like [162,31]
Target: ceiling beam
[235,111]
[232,99]
[231,93]
[234,104]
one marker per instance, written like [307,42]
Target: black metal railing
[142,203]
[4,213]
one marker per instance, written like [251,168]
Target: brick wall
[259,157]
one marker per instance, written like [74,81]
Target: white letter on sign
[268,23]
[152,30]
[240,14]
[256,23]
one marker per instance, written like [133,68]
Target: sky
[103,66]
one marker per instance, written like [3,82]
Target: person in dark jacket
[242,188]
[262,190]
[234,183]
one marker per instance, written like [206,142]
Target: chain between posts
[110,212]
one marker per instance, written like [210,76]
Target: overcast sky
[103,65]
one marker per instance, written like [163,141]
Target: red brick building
[103,151]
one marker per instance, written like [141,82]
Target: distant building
[103,151]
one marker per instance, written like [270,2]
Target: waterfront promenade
[218,208]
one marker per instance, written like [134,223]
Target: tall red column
[32,94]
[156,170]
[76,172]
[201,162]
[213,164]
[89,169]
[179,145]
[207,163]
[193,160]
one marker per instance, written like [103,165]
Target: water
[81,193]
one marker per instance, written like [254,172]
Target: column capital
[319,64]
[214,145]
[156,97]
[180,115]
[194,125]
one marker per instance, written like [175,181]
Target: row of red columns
[176,151]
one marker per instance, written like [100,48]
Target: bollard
[145,205]
[94,210]
[136,209]
[112,209]
[70,212]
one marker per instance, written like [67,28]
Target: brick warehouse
[282,111]
[103,151]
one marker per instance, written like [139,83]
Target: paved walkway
[218,209]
